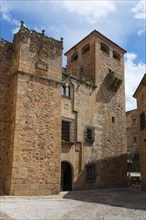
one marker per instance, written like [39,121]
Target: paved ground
[103,204]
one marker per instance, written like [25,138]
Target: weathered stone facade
[5,64]
[89,150]
[97,101]
[31,120]
[140,95]
[132,140]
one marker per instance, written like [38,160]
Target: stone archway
[66,176]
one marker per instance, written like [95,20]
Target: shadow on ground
[131,197]
[4,216]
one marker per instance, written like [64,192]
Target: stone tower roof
[95,32]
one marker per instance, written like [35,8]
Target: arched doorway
[66,176]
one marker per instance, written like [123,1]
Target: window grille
[66,131]
[89,135]
[90,172]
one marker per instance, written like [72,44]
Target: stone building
[140,95]
[61,129]
[132,140]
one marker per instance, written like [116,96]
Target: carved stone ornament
[67,74]
[42,68]
[42,55]
[52,47]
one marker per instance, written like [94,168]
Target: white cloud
[15,30]
[140,10]
[89,10]
[133,75]
[5,14]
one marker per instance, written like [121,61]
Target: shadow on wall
[107,172]
[107,89]
[95,185]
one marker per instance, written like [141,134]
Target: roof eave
[95,31]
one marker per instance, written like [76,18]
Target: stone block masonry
[31,114]
[52,141]
[5,65]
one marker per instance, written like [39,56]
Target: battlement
[38,40]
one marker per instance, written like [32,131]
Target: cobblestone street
[103,204]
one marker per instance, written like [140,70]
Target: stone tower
[96,152]
[31,113]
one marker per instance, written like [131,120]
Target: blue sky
[124,22]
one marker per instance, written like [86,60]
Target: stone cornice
[78,77]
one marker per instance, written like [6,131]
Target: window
[91,172]
[104,48]
[142,121]
[90,135]
[74,56]
[135,139]
[86,48]
[65,130]
[113,119]
[116,55]
[63,90]
[66,91]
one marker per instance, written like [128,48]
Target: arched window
[116,55]
[66,91]
[104,48]
[74,56]
[63,90]
[86,48]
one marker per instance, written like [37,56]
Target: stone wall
[133,145]
[5,65]
[140,95]
[33,159]
[36,150]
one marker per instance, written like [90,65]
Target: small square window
[113,119]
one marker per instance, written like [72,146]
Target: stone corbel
[115,80]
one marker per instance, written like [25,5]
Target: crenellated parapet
[37,54]
[39,42]
[5,43]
